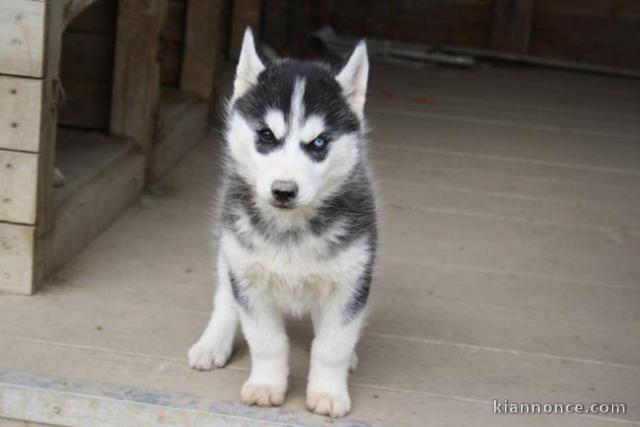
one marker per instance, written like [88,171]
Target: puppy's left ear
[353,78]
[249,66]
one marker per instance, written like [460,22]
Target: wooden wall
[88,55]
[604,32]
[86,67]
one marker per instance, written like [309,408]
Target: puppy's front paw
[331,404]
[263,394]
[204,357]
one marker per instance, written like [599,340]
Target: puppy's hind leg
[214,347]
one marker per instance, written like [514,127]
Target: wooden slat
[17,253]
[22,27]
[18,186]
[512,25]
[20,113]
[202,43]
[136,70]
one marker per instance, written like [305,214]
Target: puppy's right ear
[249,66]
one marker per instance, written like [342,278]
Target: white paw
[263,394]
[204,357]
[332,404]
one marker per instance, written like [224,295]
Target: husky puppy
[297,225]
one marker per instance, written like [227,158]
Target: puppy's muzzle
[284,193]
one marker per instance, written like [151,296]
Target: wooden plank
[20,113]
[52,96]
[104,176]
[17,253]
[18,187]
[22,28]
[182,122]
[136,70]
[202,46]
[512,25]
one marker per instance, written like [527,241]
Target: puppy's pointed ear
[353,78]
[249,66]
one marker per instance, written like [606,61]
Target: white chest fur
[296,273]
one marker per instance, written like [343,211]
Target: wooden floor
[510,266]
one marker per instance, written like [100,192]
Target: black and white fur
[295,129]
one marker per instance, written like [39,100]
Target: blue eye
[319,143]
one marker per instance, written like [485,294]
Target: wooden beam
[22,28]
[201,47]
[51,100]
[136,78]
[512,25]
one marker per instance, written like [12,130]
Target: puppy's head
[294,128]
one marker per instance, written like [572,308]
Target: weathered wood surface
[201,48]
[17,254]
[18,187]
[20,113]
[52,97]
[181,123]
[22,30]
[136,70]
[104,176]
[511,30]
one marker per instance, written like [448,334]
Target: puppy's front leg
[332,354]
[263,327]
[216,343]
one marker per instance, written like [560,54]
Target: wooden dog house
[107,94]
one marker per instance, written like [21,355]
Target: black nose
[284,191]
